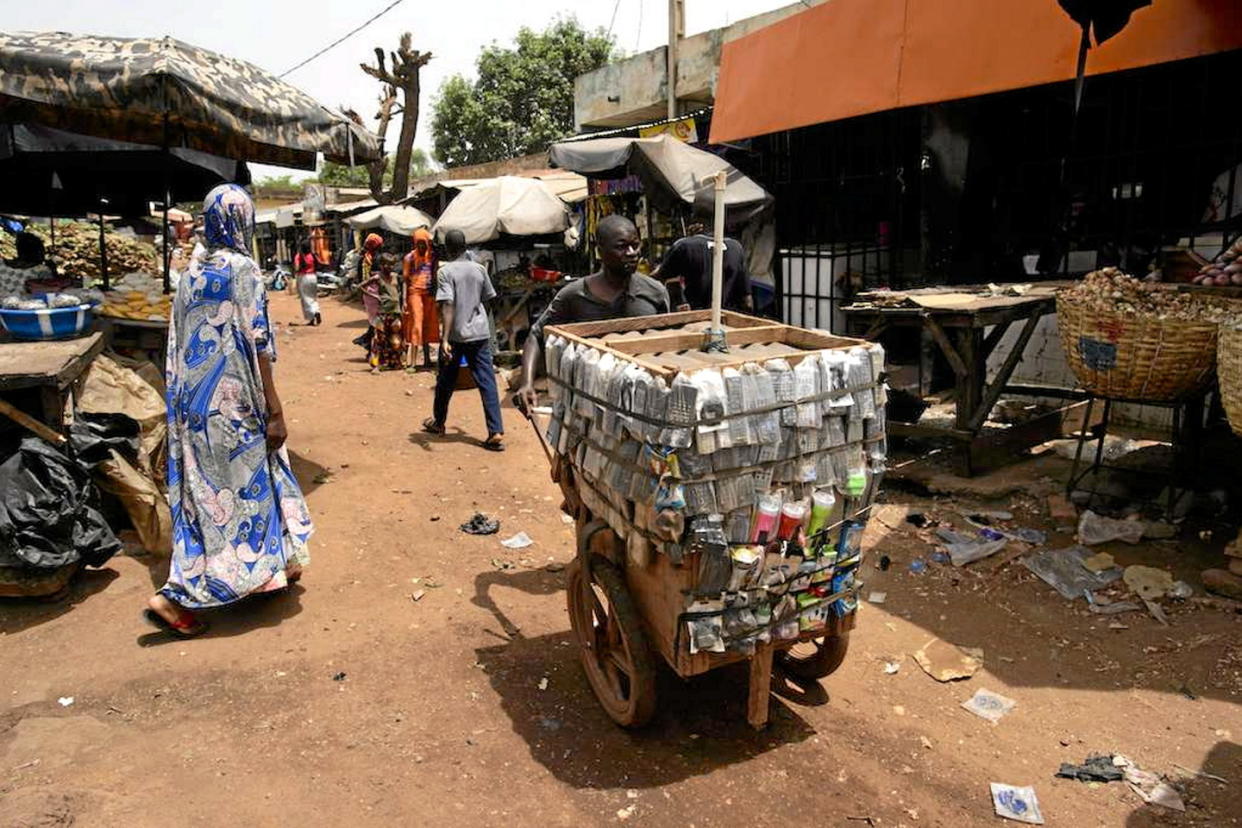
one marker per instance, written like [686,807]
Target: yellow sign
[683,130]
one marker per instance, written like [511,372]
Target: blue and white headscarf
[228,219]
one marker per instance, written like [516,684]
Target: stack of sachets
[758,473]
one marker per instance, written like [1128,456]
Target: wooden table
[967,328]
[51,368]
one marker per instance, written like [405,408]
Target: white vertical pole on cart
[718,251]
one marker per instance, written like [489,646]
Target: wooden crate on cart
[634,586]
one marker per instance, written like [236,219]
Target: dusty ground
[346,702]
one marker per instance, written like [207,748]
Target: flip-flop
[432,427]
[179,628]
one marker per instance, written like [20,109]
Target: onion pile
[1225,270]
[1111,291]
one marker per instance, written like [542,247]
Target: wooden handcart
[627,607]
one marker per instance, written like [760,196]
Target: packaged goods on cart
[759,473]
[138,296]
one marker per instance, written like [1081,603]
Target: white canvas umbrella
[509,205]
[668,167]
[395,218]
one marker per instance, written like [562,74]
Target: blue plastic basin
[48,323]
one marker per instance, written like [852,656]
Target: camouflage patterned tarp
[52,172]
[149,90]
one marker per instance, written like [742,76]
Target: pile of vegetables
[1225,270]
[138,296]
[1111,291]
[76,252]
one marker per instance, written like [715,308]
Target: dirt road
[346,702]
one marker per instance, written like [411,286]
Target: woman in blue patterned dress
[240,524]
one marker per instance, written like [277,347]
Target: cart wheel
[612,644]
[814,659]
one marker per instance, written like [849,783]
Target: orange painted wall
[852,57]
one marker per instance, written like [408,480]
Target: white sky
[277,34]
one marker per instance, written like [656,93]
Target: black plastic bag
[93,436]
[49,511]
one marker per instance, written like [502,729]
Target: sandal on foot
[494,443]
[187,626]
[432,427]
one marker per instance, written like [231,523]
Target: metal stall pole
[714,337]
[103,246]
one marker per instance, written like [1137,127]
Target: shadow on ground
[700,724]
[310,475]
[1205,796]
[263,610]
[17,614]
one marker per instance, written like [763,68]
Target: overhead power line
[613,21]
[345,36]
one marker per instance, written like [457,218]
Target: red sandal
[186,625]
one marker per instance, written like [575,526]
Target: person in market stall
[305,267]
[688,264]
[420,323]
[30,254]
[240,523]
[387,343]
[462,289]
[615,292]
[368,283]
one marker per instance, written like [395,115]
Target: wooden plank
[656,322]
[877,327]
[970,387]
[1003,447]
[663,343]
[760,687]
[950,353]
[896,429]
[801,342]
[996,335]
[26,421]
[993,392]
[657,589]
[29,364]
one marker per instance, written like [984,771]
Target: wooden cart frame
[623,611]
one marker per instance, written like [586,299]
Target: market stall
[398,219]
[524,226]
[967,324]
[658,182]
[169,94]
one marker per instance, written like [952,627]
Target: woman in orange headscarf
[368,282]
[420,325]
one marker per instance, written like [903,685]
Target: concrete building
[635,90]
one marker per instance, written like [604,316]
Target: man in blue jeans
[461,291]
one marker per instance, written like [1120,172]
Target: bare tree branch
[401,80]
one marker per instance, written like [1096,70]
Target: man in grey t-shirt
[462,289]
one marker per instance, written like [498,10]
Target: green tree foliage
[276,185]
[332,174]
[523,97]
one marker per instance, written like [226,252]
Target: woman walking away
[420,325]
[240,524]
[304,266]
[387,343]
